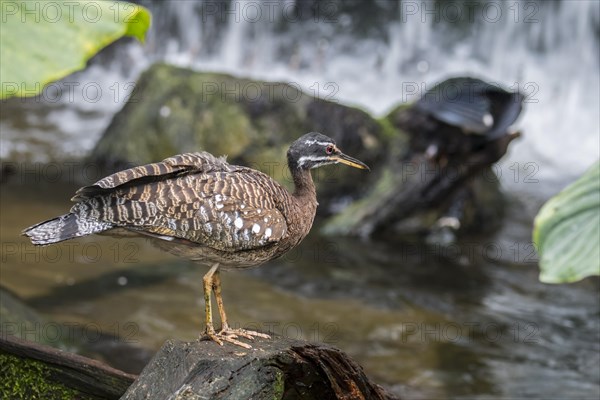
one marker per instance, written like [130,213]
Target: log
[425,190]
[398,195]
[276,368]
[30,370]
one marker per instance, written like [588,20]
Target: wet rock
[175,110]
[275,368]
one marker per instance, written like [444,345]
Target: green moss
[387,128]
[353,215]
[30,380]
[278,385]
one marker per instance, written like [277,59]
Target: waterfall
[548,50]
[389,52]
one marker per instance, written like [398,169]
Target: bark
[275,368]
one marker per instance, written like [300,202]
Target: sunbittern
[459,116]
[198,206]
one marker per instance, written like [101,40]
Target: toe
[231,335]
[212,336]
[259,334]
[236,342]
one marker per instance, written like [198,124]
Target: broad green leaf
[43,41]
[567,231]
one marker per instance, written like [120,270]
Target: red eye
[329,149]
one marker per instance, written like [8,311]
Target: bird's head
[314,150]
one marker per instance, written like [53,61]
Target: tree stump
[275,368]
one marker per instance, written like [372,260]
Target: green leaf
[43,41]
[567,231]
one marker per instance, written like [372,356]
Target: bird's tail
[61,228]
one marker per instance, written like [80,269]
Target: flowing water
[466,321]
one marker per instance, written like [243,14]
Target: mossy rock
[176,110]
[169,112]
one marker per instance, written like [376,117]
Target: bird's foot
[243,333]
[231,335]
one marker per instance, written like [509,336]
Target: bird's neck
[305,199]
[304,187]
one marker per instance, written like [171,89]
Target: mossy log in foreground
[32,371]
[275,368]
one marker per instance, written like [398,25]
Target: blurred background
[466,321]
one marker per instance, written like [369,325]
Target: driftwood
[275,368]
[428,190]
[415,185]
[31,370]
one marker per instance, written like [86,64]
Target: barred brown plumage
[200,207]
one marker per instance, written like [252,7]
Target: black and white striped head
[314,150]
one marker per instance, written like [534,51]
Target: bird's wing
[231,209]
[473,105]
[459,102]
[240,211]
[169,167]
[507,107]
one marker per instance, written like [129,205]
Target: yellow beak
[353,162]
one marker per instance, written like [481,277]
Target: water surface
[460,322]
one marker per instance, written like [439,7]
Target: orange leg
[207,283]
[212,283]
